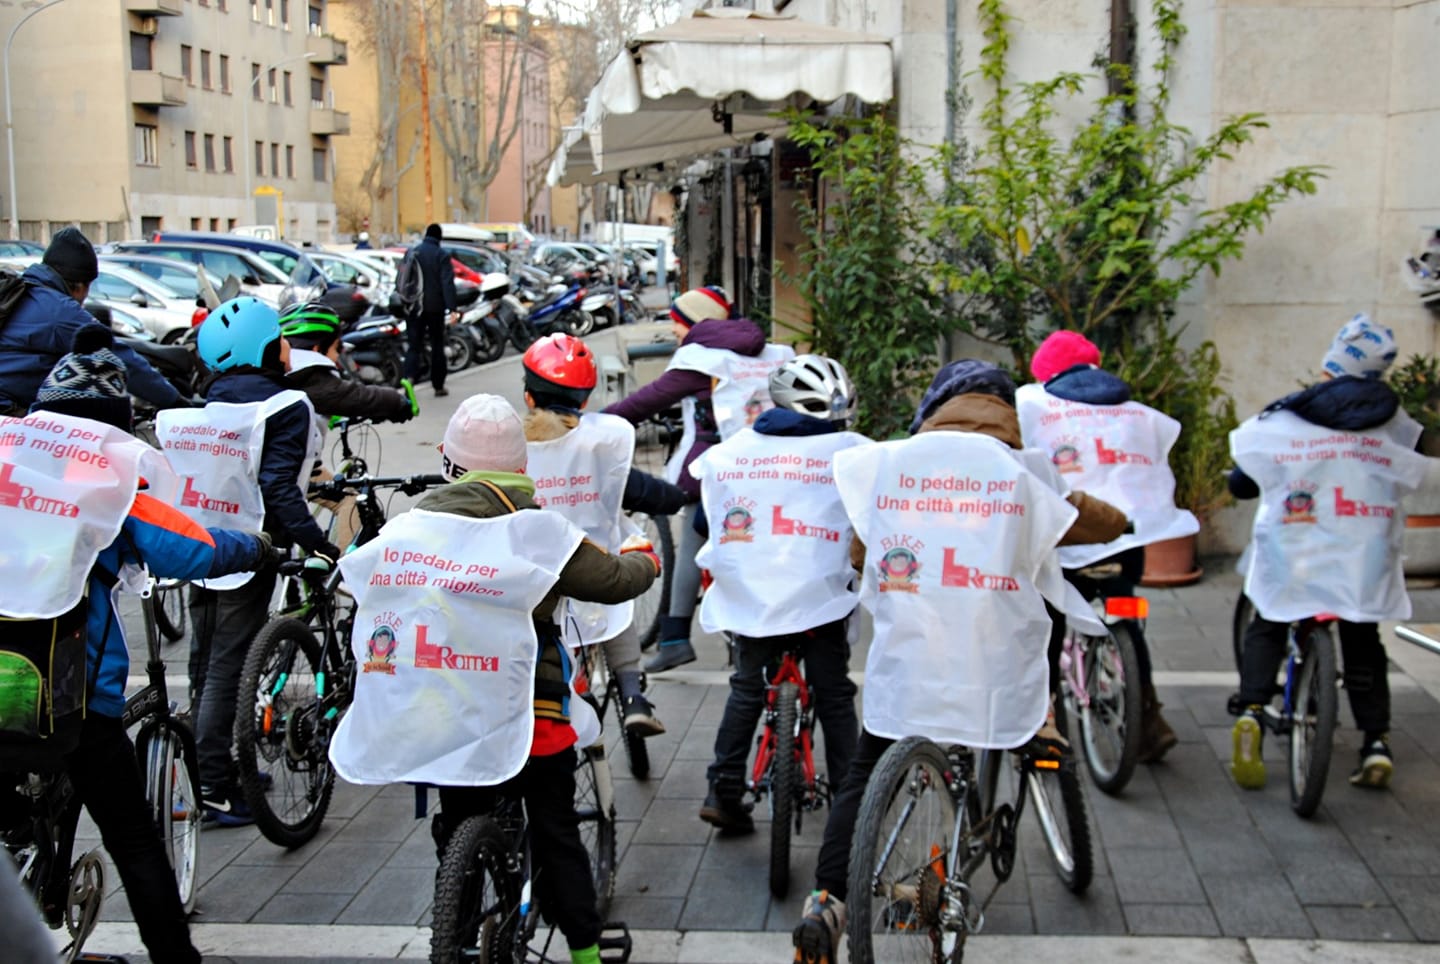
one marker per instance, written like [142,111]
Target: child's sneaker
[1246,764]
[817,937]
[1376,765]
[225,806]
[640,718]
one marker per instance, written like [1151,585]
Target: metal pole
[9,122]
[425,113]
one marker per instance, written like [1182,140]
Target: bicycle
[784,767]
[603,691]
[301,686]
[485,909]
[1100,676]
[594,785]
[929,821]
[1310,701]
[655,602]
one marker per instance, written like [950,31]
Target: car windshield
[178,276]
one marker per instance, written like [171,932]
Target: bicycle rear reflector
[1127,607]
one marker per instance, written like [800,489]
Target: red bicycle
[784,768]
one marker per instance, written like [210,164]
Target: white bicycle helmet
[814,385]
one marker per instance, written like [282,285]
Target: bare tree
[385,31]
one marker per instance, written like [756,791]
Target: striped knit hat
[90,382]
[700,304]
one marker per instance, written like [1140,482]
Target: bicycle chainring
[86,894]
[300,733]
[1003,842]
[932,894]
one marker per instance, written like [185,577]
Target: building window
[190,150]
[259,158]
[142,50]
[222,5]
[205,69]
[196,224]
[255,10]
[274,86]
[274,160]
[255,81]
[210,153]
[147,145]
[316,17]
[289,100]
[231,224]
[270,12]
[225,73]
[290,161]
[285,14]
[186,70]
[228,153]
[319,164]
[317,93]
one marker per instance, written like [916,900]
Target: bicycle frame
[1072,665]
[788,672]
[1296,655]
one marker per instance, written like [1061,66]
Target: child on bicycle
[87,388]
[244,457]
[1014,512]
[1330,465]
[582,469]
[718,378]
[467,585]
[789,520]
[1081,416]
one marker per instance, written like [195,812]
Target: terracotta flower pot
[1171,562]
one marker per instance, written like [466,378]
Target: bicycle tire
[1312,731]
[895,929]
[166,753]
[1244,613]
[477,902]
[637,754]
[276,727]
[1112,679]
[655,601]
[595,810]
[784,786]
[170,623]
[1066,832]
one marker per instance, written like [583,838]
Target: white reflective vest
[66,486]
[1328,530]
[1119,453]
[779,546]
[216,452]
[445,646]
[582,475]
[956,531]
[741,393]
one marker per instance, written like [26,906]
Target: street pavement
[1187,866]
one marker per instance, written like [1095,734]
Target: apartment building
[135,115]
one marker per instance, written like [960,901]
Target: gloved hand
[264,550]
[324,558]
[641,545]
[407,412]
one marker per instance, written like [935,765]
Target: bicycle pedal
[615,943]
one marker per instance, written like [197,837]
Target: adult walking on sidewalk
[435,300]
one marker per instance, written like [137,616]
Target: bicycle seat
[1100,571]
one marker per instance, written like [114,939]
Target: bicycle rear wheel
[1244,613]
[595,809]
[170,611]
[655,602]
[784,785]
[167,757]
[1059,806]
[1110,724]
[637,755]
[1312,723]
[279,732]
[899,858]
[477,903]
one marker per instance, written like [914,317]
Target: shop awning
[712,81]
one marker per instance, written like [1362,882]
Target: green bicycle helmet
[310,323]
[238,333]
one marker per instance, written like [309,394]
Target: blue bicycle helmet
[237,333]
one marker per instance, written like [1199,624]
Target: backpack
[12,289]
[43,689]
[409,296]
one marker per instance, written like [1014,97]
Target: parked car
[290,260]
[509,235]
[256,277]
[181,276]
[648,269]
[21,249]
[165,312]
[344,269]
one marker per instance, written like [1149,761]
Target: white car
[184,277]
[645,257]
[165,312]
[351,270]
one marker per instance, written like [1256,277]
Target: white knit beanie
[484,435]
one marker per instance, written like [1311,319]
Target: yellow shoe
[1246,765]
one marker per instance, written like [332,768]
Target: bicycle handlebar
[408,484]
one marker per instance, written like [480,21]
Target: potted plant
[1417,382]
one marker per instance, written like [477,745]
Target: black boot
[725,806]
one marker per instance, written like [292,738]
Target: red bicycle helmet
[560,367]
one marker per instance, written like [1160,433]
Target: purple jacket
[734,334]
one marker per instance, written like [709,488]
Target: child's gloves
[642,545]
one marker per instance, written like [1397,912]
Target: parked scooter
[375,351]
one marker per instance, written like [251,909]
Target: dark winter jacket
[439,275]
[643,492]
[591,575]
[287,434]
[732,334]
[333,395]
[1088,384]
[42,328]
[1346,403]
[778,421]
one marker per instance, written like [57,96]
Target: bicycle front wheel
[595,810]
[784,785]
[1110,722]
[477,903]
[280,733]
[167,758]
[170,611]
[899,859]
[1312,720]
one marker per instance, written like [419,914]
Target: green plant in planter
[1417,382]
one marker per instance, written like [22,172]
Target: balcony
[151,88]
[325,121]
[327,49]
[154,8]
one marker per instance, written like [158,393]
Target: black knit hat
[433,231]
[90,382]
[72,256]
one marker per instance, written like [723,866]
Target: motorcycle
[374,350]
[558,311]
[600,305]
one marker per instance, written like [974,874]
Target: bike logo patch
[899,565]
[380,648]
[1300,502]
[739,525]
[1066,455]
